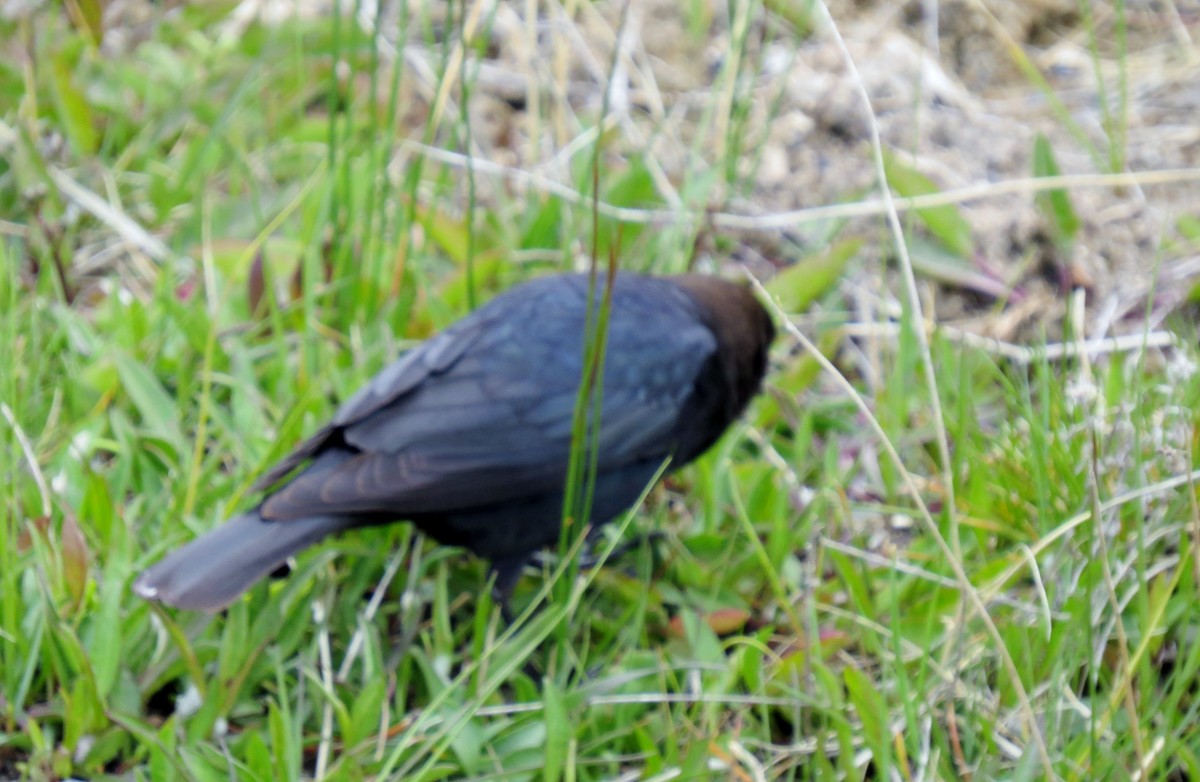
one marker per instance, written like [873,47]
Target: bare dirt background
[948,93]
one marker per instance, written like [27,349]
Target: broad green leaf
[152,401]
[366,710]
[88,16]
[1055,204]
[257,756]
[873,713]
[447,232]
[101,642]
[799,285]
[83,711]
[558,732]
[73,111]
[800,14]
[1189,227]
[945,222]
[933,261]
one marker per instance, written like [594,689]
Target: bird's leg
[505,574]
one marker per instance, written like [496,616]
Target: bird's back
[482,415]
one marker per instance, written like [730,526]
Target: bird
[468,435]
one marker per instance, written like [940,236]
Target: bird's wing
[495,423]
[401,377]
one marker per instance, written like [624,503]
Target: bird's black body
[469,435]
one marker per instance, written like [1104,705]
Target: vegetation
[936,557]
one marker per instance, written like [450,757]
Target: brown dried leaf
[75,556]
[723,621]
[256,285]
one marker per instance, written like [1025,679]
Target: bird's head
[743,329]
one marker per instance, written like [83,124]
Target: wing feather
[483,414]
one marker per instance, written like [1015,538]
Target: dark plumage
[468,435]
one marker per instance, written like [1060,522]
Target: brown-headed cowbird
[469,435]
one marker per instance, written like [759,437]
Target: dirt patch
[953,102]
[957,138]
[947,92]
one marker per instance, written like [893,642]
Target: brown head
[743,330]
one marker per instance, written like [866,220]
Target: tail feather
[211,571]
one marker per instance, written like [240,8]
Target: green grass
[798,620]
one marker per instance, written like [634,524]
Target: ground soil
[948,96]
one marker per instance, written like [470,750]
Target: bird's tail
[208,573]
